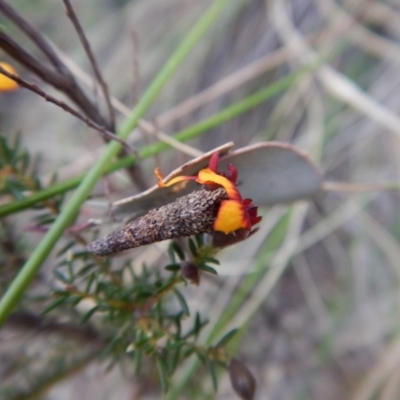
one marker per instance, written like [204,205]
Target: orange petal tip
[207,176]
[7,84]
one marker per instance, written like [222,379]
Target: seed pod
[242,379]
[189,215]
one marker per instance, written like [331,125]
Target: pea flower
[234,213]
[217,208]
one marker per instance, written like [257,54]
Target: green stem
[225,115]
[66,217]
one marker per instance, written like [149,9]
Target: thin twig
[21,55]
[62,80]
[124,110]
[36,36]
[68,86]
[86,46]
[134,171]
[184,148]
[101,129]
[64,83]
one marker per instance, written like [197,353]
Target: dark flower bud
[190,272]
[242,380]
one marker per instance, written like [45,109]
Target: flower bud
[242,380]
[190,272]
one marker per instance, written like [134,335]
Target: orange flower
[234,213]
[7,84]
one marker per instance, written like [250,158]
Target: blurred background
[322,321]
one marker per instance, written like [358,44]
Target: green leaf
[203,359]
[137,361]
[111,346]
[53,178]
[198,325]
[45,219]
[65,248]
[163,374]
[110,365]
[61,293]
[177,320]
[172,267]
[24,160]
[15,188]
[176,355]
[213,374]
[5,152]
[164,285]
[182,302]
[83,254]
[86,269]
[61,277]
[71,272]
[88,314]
[74,300]
[227,337]
[192,247]
[55,304]
[188,352]
[89,283]
[173,345]
[178,250]
[207,268]
[211,260]
[171,253]
[199,240]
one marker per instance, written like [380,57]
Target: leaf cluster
[17,169]
[142,314]
[19,177]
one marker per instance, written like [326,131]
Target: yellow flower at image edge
[7,84]
[234,213]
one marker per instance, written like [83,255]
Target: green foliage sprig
[140,314]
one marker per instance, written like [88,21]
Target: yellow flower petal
[173,180]
[233,214]
[7,84]
[231,217]
[207,176]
